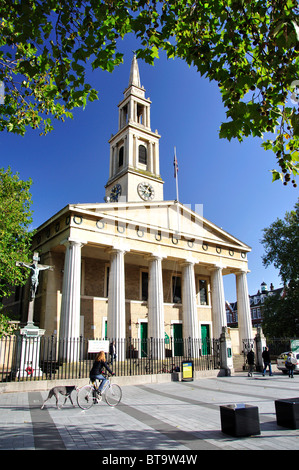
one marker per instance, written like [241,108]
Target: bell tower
[134,173]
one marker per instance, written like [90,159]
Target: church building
[136,265]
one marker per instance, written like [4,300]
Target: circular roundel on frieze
[121,228]
[175,240]
[100,224]
[77,219]
[140,232]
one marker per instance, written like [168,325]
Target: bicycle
[165,369]
[89,395]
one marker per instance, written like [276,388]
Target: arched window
[121,157]
[142,155]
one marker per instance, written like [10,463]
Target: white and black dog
[63,390]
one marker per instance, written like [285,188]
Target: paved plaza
[164,417]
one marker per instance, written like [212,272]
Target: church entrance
[143,339]
[205,338]
[178,339]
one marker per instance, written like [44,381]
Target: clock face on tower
[115,193]
[145,191]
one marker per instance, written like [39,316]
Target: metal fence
[25,358]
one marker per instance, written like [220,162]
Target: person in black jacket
[267,361]
[250,361]
[96,371]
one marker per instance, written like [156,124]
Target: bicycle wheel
[85,397]
[113,395]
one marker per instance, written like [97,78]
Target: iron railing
[276,347]
[46,358]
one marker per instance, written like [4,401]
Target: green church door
[178,339]
[205,338]
[143,339]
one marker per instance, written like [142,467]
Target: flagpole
[177,189]
[176,175]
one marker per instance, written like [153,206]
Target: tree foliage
[280,314]
[7,327]
[15,238]
[281,243]
[249,47]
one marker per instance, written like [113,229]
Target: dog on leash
[65,390]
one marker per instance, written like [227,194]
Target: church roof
[166,216]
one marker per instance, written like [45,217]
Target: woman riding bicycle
[96,371]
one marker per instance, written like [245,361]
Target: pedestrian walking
[290,364]
[267,361]
[112,352]
[250,362]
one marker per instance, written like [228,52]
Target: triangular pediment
[165,216]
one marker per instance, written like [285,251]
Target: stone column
[70,302]
[116,319]
[190,321]
[156,307]
[244,316]
[150,163]
[71,291]
[157,160]
[218,302]
[135,151]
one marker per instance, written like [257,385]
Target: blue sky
[231,180]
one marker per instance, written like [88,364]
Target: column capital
[216,267]
[155,255]
[242,271]
[188,261]
[69,241]
[119,246]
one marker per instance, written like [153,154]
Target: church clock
[145,191]
[115,193]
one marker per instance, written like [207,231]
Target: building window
[203,292]
[140,114]
[142,155]
[144,285]
[258,310]
[176,290]
[121,157]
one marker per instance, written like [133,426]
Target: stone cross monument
[35,270]
[28,356]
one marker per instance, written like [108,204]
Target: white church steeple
[134,73]
[134,150]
